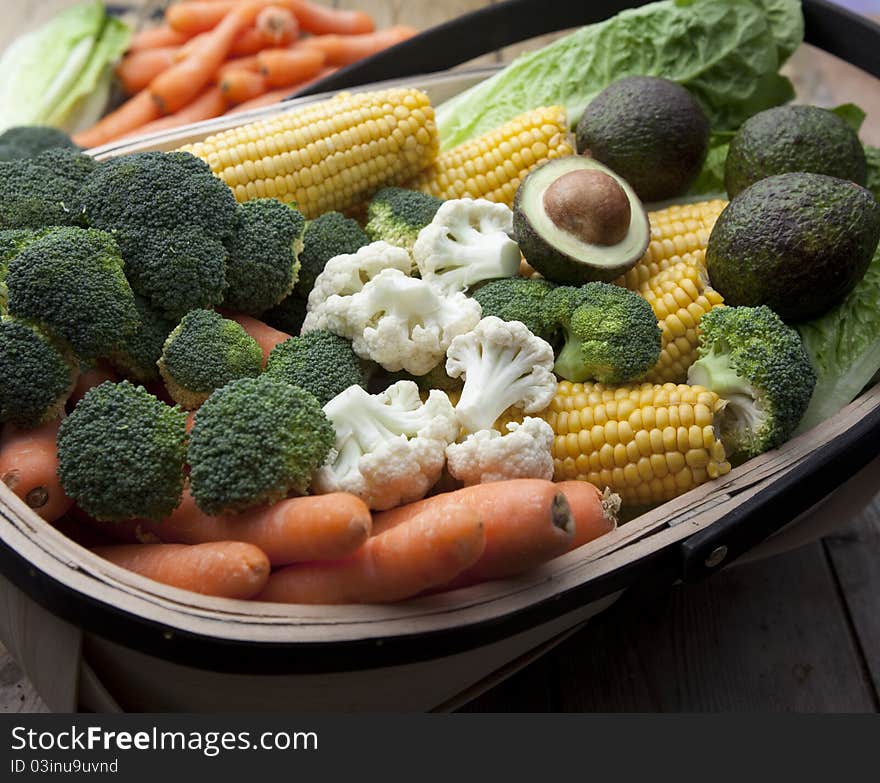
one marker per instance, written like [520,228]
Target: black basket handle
[828,26]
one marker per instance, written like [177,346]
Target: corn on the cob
[648,443]
[328,156]
[672,277]
[493,165]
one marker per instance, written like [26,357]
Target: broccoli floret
[44,190]
[519,299]
[756,362]
[319,362]
[175,270]
[158,190]
[396,215]
[611,334]
[27,141]
[253,441]
[137,353]
[121,453]
[36,375]
[288,316]
[263,263]
[71,282]
[12,242]
[204,352]
[330,235]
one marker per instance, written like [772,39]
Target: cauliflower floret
[401,322]
[503,365]
[347,274]
[487,455]
[467,242]
[390,447]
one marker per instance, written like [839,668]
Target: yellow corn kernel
[493,165]
[326,156]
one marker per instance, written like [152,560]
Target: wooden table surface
[797,632]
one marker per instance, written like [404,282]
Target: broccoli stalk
[611,334]
[753,360]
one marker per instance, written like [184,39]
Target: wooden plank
[854,555]
[16,693]
[770,635]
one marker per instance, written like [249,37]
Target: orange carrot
[155,37]
[29,467]
[277,26]
[275,96]
[248,63]
[227,569]
[346,49]
[594,514]
[527,521]
[295,530]
[197,17]
[136,71]
[180,84]
[240,86]
[134,113]
[211,103]
[265,335]
[88,379]
[424,552]
[283,67]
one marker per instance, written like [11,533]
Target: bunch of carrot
[321,549]
[210,57]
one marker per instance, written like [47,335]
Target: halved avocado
[577,221]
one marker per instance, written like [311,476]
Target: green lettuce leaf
[710,181]
[844,347]
[851,114]
[45,73]
[873,156]
[727,52]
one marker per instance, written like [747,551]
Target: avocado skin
[556,265]
[793,138]
[796,242]
[650,131]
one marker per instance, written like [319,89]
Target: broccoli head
[288,316]
[27,141]
[175,270]
[43,190]
[12,242]
[319,362]
[204,352]
[611,334]
[71,282]
[36,375]
[253,441]
[121,453]
[519,299]
[752,359]
[136,354]
[264,253]
[158,190]
[330,235]
[396,215]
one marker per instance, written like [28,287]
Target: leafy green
[851,114]
[844,348]
[873,156]
[733,71]
[711,178]
[47,74]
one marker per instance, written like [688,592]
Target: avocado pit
[589,204]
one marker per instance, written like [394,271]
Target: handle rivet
[717,556]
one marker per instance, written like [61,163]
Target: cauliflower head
[347,274]
[523,452]
[467,242]
[401,322]
[390,447]
[504,365]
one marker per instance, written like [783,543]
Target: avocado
[793,138]
[796,242]
[577,221]
[651,131]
